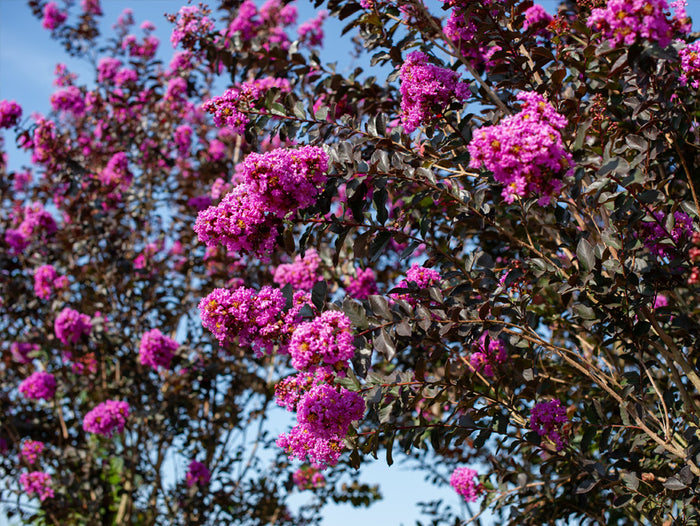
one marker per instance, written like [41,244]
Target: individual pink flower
[107,418]
[464,483]
[547,419]
[31,449]
[39,385]
[37,482]
[71,325]
[197,473]
[157,350]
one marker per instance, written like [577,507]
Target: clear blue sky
[27,60]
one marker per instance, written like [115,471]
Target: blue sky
[27,60]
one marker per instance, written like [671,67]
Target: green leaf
[585,254]
[356,312]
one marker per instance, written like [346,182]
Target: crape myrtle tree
[484,260]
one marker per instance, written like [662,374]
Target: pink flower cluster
[363,285]
[197,473]
[116,173]
[325,342]
[46,281]
[274,185]
[690,65]
[36,222]
[71,325]
[301,274]
[325,413]
[157,350]
[461,29]
[525,151]
[91,7]
[37,482]
[308,478]
[39,385]
[70,100]
[536,19]
[463,482]
[107,68]
[192,25]
[485,360]
[425,86]
[107,418]
[145,49]
[623,22]
[655,235]
[311,31]
[273,16]
[229,109]
[20,351]
[10,113]
[246,314]
[31,449]
[547,419]
[694,255]
[53,17]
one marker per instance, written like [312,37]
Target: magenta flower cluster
[116,173]
[70,100]
[39,385]
[536,19]
[486,360]
[325,342]
[71,325]
[37,483]
[311,31]
[191,25]
[20,351]
[547,419]
[461,29]
[301,274]
[107,418]
[31,449]
[10,113]
[36,222]
[362,285]
[274,185]
[623,22]
[156,349]
[655,234]
[53,16]
[424,87]
[197,473]
[525,151]
[229,109]
[47,281]
[243,313]
[463,481]
[308,477]
[690,65]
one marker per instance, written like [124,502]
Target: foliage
[510,289]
